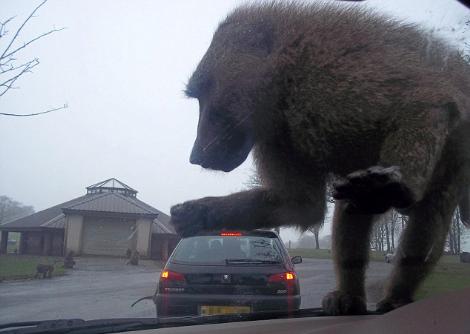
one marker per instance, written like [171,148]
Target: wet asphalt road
[105,288]
[317,278]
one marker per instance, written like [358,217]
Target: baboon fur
[134,258]
[328,92]
[69,262]
[45,270]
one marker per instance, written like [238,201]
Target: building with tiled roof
[108,220]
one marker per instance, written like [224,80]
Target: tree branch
[21,27]
[7,60]
[3,32]
[65,106]
[31,41]
[12,67]
[8,84]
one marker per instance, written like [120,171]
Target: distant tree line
[11,210]
[386,233]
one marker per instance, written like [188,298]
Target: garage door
[107,236]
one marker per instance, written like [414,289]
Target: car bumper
[170,305]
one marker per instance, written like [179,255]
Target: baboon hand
[389,304]
[191,217]
[374,190]
[340,303]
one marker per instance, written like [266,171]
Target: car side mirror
[296,259]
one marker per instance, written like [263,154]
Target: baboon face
[226,83]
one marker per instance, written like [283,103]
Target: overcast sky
[121,67]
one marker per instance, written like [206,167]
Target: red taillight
[282,277]
[167,275]
[230,234]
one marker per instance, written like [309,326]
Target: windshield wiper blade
[76,326]
[250,261]
[80,326]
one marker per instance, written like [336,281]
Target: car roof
[253,233]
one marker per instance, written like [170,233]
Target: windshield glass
[333,134]
[217,250]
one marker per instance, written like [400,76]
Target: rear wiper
[250,261]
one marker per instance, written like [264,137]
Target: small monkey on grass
[325,91]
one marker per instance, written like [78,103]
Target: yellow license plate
[216,310]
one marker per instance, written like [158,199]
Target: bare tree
[454,238]
[11,210]
[467,44]
[387,231]
[316,231]
[12,70]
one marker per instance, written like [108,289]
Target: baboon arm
[416,146]
[247,210]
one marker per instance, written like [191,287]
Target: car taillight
[230,234]
[172,282]
[282,277]
[168,275]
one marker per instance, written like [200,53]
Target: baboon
[328,94]
[69,262]
[45,270]
[134,258]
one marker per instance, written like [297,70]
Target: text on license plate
[215,310]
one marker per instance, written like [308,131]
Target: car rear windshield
[228,250]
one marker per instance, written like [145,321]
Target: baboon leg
[350,255]
[415,148]
[421,247]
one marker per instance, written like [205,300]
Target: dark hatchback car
[228,273]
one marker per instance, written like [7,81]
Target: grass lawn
[13,236]
[24,266]
[449,274]
[310,253]
[326,254]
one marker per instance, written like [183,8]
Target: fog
[121,67]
